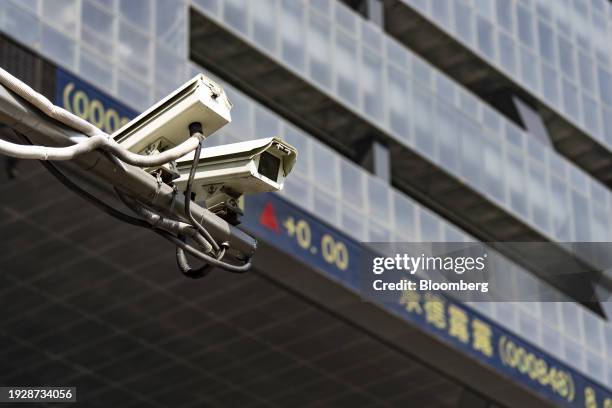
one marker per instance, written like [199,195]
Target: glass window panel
[61,14]
[581,217]
[570,100]
[558,165]
[453,234]
[463,22]
[599,194]
[134,92]
[353,223]
[471,152]
[94,70]
[543,8]
[319,50]
[527,326]
[168,67]
[525,26]
[346,62]
[504,14]
[491,119]
[324,166]
[398,102]
[515,173]
[574,353]
[320,5]
[600,39]
[440,11]
[485,37]
[345,18]
[535,148]
[326,206]
[560,210]
[562,17]
[514,136]
[97,28]
[594,363]
[423,120]
[591,114]
[550,87]
[134,50]
[550,313]
[571,322]
[235,14]
[22,25]
[396,53]
[537,195]
[209,5]
[493,171]
[351,180]
[605,84]
[31,5]
[445,88]
[585,64]
[265,20]
[578,179]
[566,57]
[419,4]
[506,312]
[371,36]
[546,41]
[599,224]
[507,52]
[448,140]
[422,72]
[241,114]
[293,33]
[137,12]
[404,215]
[529,68]
[377,232]
[58,47]
[592,331]
[429,226]
[170,25]
[373,99]
[297,190]
[266,123]
[378,198]
[485,8]
[468,103]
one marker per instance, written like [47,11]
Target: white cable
[97,138]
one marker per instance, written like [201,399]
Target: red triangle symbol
[268,218]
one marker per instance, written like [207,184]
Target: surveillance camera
[165,124]
[226,172]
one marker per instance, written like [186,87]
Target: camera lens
[268,166]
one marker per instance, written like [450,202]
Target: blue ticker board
[337,256]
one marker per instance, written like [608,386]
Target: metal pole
[21,116]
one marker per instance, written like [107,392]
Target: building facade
[415,120]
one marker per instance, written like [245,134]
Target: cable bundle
[203,246]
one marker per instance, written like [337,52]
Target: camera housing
[226,172]
[165,124]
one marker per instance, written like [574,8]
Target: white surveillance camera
[166,124]
[224,173]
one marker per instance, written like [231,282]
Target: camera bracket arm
[23,117]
